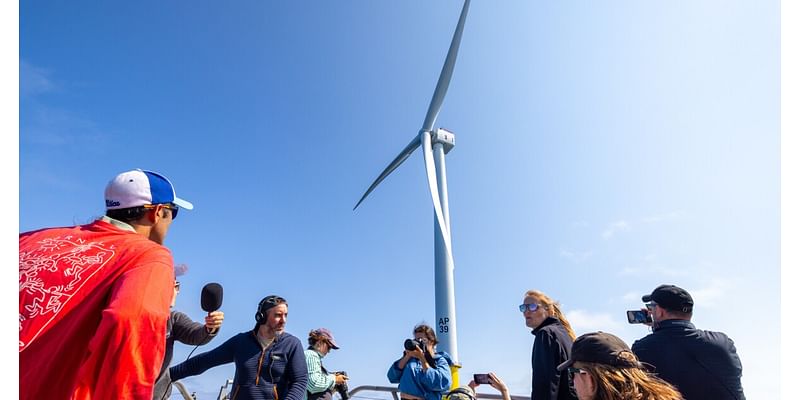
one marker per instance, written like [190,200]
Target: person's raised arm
[396,369]
[495,382]
[189,332]
[198,364]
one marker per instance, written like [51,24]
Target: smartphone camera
[639,317]
[481,379]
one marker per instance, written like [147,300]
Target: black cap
[671,297]
[601,348]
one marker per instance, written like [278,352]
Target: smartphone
[639,317]
[481,379]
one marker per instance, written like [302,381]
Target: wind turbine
[435,144]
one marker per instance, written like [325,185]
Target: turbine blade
[391,167]
[430,168]
[447,72]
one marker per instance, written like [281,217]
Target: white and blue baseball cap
[137,188]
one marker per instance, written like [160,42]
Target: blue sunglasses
[532,307]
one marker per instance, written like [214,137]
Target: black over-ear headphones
[264,305]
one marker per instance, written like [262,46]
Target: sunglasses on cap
[529,307]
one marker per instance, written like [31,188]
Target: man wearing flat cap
[701,364]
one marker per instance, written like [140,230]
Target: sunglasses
[177,285]
[651,305]
[529,307]
[171,207]
[572,371]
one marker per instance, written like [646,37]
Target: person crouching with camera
[422,373]
[322,384]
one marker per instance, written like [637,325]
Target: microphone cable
[187,359]
[196,346]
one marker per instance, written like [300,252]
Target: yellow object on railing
[454,372]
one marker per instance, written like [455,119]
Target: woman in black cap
[603,367]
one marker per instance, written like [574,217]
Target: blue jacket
[276,373]
[430,384]
[701,364]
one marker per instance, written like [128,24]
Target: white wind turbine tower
[435,144]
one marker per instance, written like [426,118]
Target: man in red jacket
[94,299]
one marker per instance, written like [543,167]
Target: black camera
[411,344]
[341,388]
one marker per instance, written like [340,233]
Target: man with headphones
[270,364]
[701,364]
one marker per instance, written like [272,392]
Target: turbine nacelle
[445,137]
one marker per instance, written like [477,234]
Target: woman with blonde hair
[551,346]
[603,367]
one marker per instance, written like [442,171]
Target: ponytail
[563,320]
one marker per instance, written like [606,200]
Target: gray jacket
[181,328]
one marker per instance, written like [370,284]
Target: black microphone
[211,297]
[210,300]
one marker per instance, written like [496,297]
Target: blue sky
[602,149]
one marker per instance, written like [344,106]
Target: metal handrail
[394,392]
[364,388]
[184,392]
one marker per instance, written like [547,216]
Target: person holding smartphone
[492,380]
[702,364]
[551,347]
[422,373]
